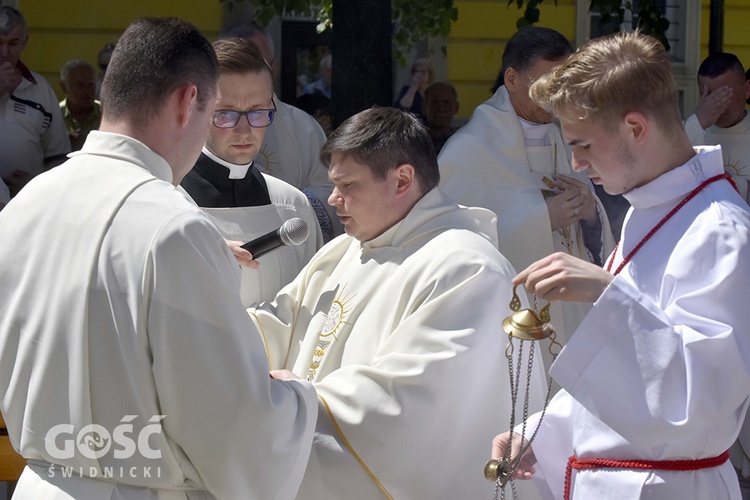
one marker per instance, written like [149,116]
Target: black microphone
[292,232]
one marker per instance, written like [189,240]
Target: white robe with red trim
[660,367]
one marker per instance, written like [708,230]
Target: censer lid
[527,325]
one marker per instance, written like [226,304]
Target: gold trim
[351,450]
[263,335]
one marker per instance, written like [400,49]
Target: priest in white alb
[398,325]
[512,159]
[129,368]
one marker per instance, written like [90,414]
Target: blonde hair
[424,61]
[610,77]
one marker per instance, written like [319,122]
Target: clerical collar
[535,134]
[235,171]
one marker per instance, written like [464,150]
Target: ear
[455,109]
[405,176]
[746,88]
[187,98]
[510,79]
[63,87]
[637,126]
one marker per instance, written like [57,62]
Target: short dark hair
[719,63]
[384,138]
[153,58]
[239,55]
[10,18]
[530,44]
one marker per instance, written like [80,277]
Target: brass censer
[523,326]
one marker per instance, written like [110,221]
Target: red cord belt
[601,463]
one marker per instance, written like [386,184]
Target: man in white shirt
[243,202]
[720,116]
[398,324]
[656,380]
[33,137]
[128,365]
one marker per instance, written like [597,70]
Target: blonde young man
[397,323]
[243,202]
[656,380]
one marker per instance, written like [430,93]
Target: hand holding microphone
[292,232]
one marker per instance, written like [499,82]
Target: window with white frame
[683,36]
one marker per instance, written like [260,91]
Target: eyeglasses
[257,118]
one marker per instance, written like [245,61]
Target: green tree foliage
[651,20]
[413,20]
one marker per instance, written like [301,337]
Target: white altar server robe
[123,302]
[402,337]
[660,367]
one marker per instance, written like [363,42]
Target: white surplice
[118,304]
[245,223]
[402,336]
[660,367]
[486,164]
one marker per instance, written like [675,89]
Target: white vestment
[291,152]
[119,311]
[660,367]
[402,336]
[735,147]
[486,164]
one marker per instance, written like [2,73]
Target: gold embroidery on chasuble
[335,320]
[735,167]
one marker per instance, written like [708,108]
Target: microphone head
[294,231]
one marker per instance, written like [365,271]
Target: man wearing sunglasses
[225,181]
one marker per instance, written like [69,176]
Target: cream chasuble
[660,367]
[486,164]
[402,337]
[735,148]
[119,317]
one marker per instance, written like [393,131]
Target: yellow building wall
[477,40]
[61,30]
[736,22]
